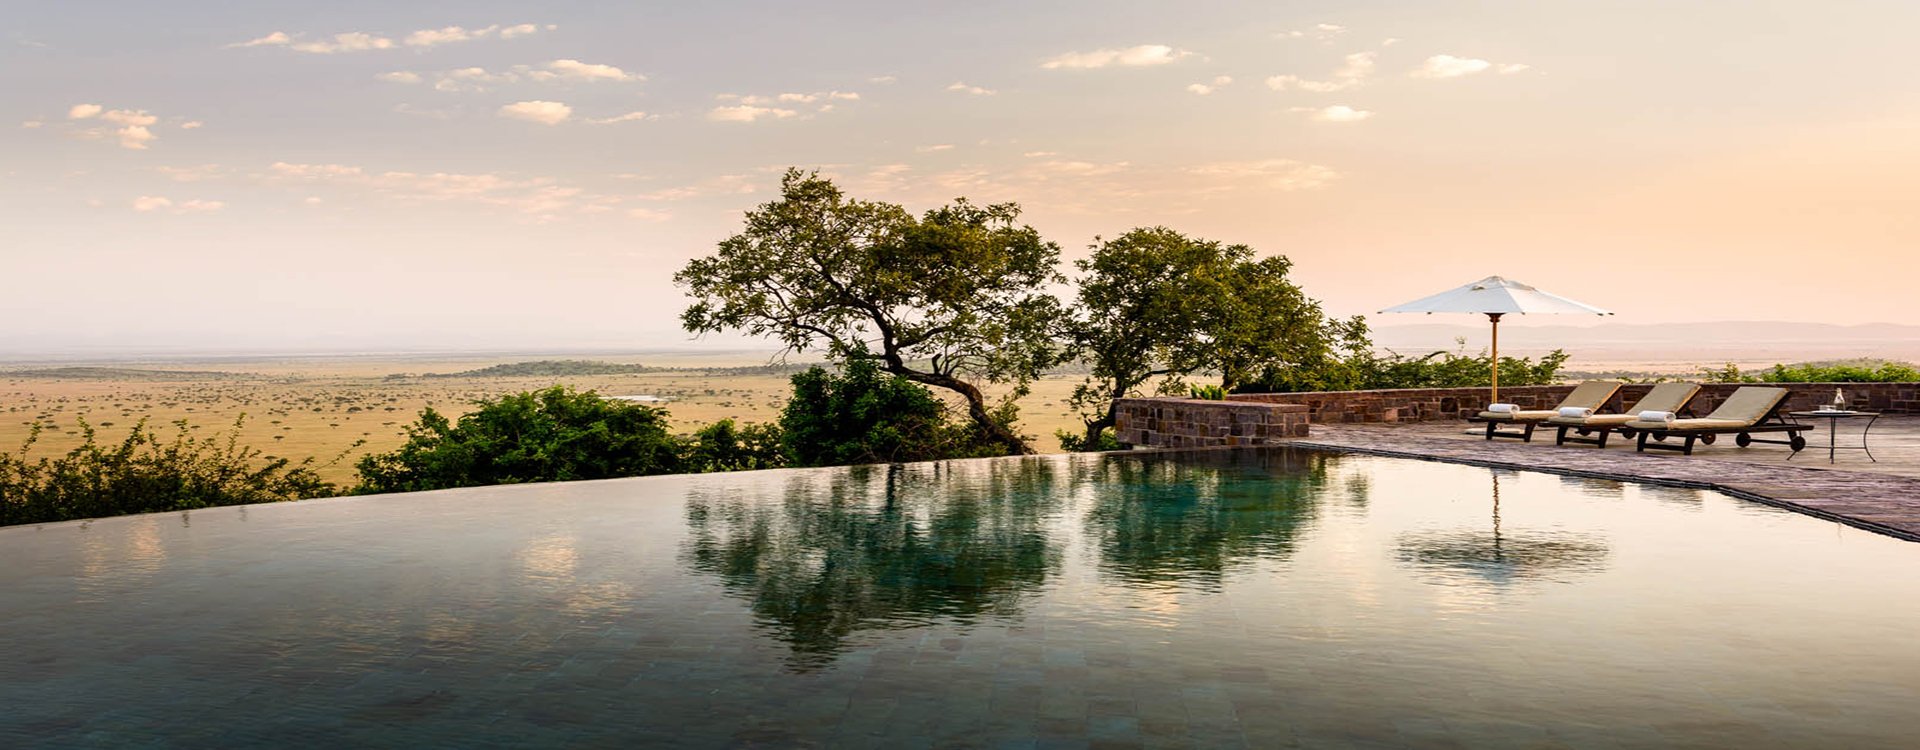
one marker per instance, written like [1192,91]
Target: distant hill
[119,373]
[1678,345]
[548,368]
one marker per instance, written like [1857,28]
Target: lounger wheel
[1797,443]
[1743,440]
[1708,439]
[1627,432]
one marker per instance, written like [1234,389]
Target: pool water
[1257,598]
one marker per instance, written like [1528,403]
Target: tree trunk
[976,404]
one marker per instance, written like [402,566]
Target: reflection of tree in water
[879,547]
[1189,518]
[1502,556]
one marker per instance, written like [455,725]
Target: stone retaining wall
[1195,423]
[1425,404]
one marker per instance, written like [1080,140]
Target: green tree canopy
[865,416]
[1155,303]
[552,435]
[951,299]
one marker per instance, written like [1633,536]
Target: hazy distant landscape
[321,404]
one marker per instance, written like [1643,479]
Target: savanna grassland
[322,407]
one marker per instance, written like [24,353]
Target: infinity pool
[1204,599]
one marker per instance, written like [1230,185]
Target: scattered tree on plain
[952,299]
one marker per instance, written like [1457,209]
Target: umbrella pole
[1495,317]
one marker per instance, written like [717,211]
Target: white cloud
[31,124]
[1335,113]
[538,198]
[748,113]
[1390,41]
[1511,68]
[192,125]
[1141,55]
[628,117]
[152,203]
[1321,31]
[1284,174]
[192,174]
[543,112]
[1354,71]
[726,184]
[352,41]
[581,71]
[882,80]
[964,88]
[1448,66]
[446,35]
[1204,89]
[481,79]
[935,147]
[131,127]
[274,39]
[358,41]
[523,30]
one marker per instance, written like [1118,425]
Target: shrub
[726,446]
[1856,371]
[1207,392]
[146,474]
[552,435]
[1074,442]
[863,415]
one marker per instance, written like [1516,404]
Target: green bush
[1207,392]
[552,435]
[1074,442]
[725,446]
[1362,369]
[864,415]
[1856,371]
[145,474]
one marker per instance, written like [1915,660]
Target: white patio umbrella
[1494,297]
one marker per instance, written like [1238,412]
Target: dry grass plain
[321,407]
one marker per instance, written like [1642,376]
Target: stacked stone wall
[1196,423]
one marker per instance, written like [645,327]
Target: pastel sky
[289,175]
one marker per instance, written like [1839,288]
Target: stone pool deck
[1882,497]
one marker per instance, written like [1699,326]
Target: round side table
[1833,423]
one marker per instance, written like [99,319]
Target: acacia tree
[1156,304]
[1269,331]
[1145,298]
[950,299]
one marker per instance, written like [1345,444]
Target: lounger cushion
[1665,397]
[1597,420]
[1518,416]
[1592,394]
[1749,404]
[1691,425]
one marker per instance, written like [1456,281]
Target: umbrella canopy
[1493,297]
[1496,296]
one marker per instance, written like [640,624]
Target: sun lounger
[1592,394]
[1593,429]
[1750,410]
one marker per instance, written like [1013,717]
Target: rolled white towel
[1502,408]
[1656,416]
[1577,412]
